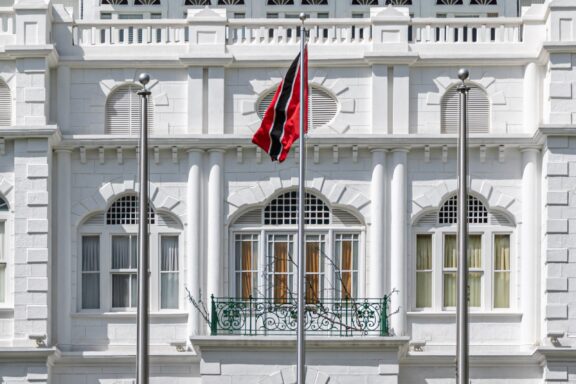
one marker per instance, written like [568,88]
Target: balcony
[258,317]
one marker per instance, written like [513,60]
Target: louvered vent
[497,218]
[96,219]
[5,105]
[166,220]
[252,217]
[428,219]
[340,216]
[478,111]
[123,111]
[322,106]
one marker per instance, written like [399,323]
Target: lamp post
[462,374]
[142,371]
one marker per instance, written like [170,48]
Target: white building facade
[381,186]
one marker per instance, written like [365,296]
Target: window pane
[450,251]
[2,245]
[169,273]
[314,270]
[2,283]
[120,252]
[450,289]
[474,251]
[501,271]
[133,252]
[346,258]
[120,291]
[134,290]
[280,266]
[424,273]
[246,266]
[90,253]
[90,290]
[475,287]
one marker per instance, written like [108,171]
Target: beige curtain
[450,262]
[423,271]
[346,271]
[246,269]
[312,270]
[475,262]
[281,272]
[502,271]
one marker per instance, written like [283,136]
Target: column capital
[63,150]
[400,149]
[530,148]
[216,150]
[196,150]
[378,150]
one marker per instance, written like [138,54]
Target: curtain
[475,262]
[450,262]
[246,268]
[90,272]
[312,272]
[346,270]
[2,283]
[120,252]
[502,271]
[2,245]
[169,272]
[423,271]
[120,290]
[281,272]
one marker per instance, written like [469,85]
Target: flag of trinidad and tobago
[280,127]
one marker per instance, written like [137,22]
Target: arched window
[109,258]
[489,257]
[322,106]
[280,2]
[230,2]
[264,245]
[123,111]
[146,2]
[5,105]
[115,2]
[398,2]
[3,252]
[364,2]
[478,110]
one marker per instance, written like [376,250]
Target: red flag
[280,126]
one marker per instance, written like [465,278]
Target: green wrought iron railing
[259,316]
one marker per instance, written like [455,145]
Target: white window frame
[106,232]
[8,249]
[487,231]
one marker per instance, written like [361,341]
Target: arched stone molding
[127,77]
[109,192]
[444,83]
[334,192]
[288,376]
[316,78]
[496,200]
[7,191]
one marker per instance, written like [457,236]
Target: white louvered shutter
[5,105]
[478,111]
[323,107]
[123,112]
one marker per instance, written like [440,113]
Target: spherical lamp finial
[144,78]
[302,16]
[463,74]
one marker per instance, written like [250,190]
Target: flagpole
[142,371]
[462,339]
[301,352]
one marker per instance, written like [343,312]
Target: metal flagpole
[143,251]
[462,375]
[301,363]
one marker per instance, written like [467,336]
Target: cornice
[16,354]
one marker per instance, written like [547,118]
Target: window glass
[124,264]
[424,271]
[90,272]
[346,252]
[315,255]
[2,262]
[105,16]
[502,271]
[247,266]
[474,270]
[281,261]
[169,272]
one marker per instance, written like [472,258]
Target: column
[63,247]
[380,99]
[377,230]
[215,222]
[216,100]
[194,204]
[63,91]
[398,208]
[531,98]
[195,99]
[529,245]
[401,100]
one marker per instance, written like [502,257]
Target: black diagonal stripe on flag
[277,131]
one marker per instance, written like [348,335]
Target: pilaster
[377,230]
[215,223]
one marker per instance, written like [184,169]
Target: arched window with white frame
[263,249]
[490,250]
[109,258]
[478,110]
[123,111]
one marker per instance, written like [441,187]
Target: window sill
[120,315]
[473,315]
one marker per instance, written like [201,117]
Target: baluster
[516,34]
[331,35]
[500,34]
[261,35]
[313,35]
